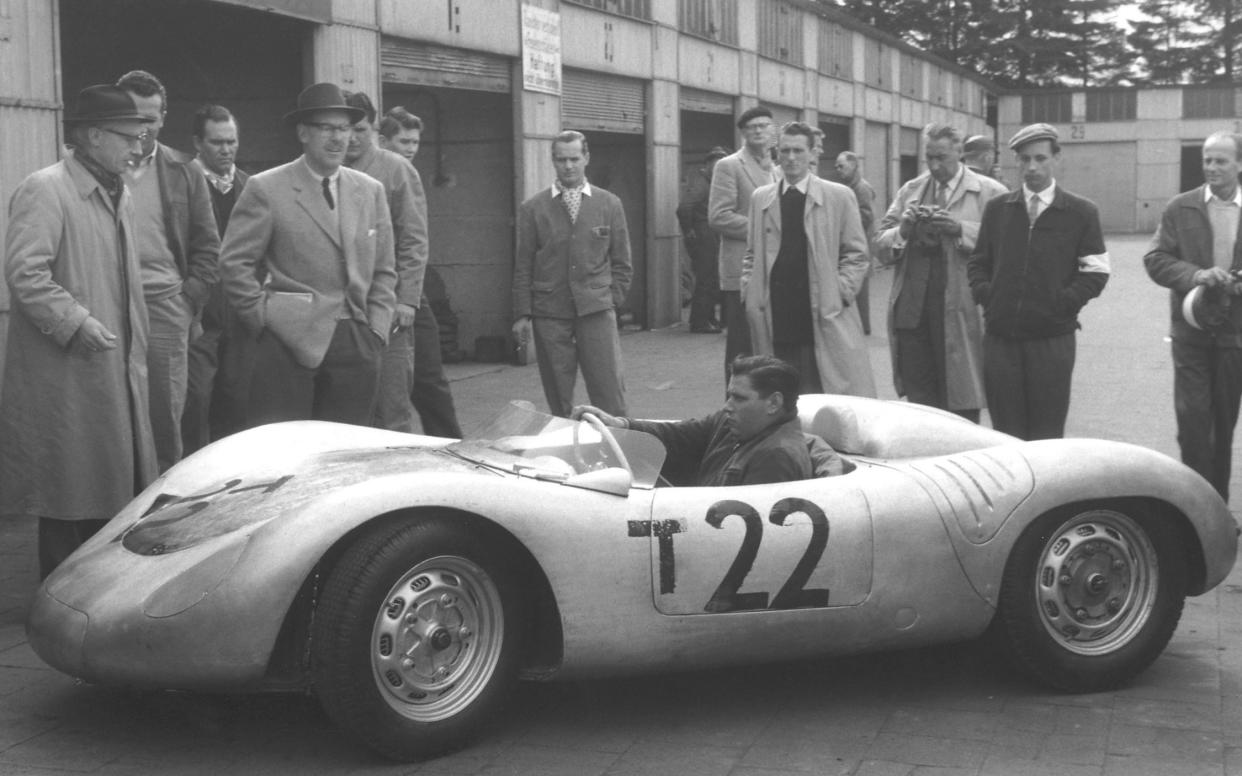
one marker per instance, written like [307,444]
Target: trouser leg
[347,381]
[280,388]
[916,364]
[167,345]
[59,538]
[737,341]
[599,354]
[557,357]
[1004,384]
[1049,375]
[431,395]
[393,407]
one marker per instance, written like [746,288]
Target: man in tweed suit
[321,235]
[571,271]
[734,180]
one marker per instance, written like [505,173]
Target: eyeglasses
[141,137]
[331,129]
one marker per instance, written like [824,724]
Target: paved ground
[944,711]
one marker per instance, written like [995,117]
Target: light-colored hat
[1032,133]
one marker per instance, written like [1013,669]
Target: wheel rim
[437,640]
[1097,582]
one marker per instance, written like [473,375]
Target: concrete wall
[1152,143]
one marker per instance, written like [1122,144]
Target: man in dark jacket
[756,438]
[1039,258]
[178,248]
[1198,244]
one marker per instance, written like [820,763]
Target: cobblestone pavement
[944,711]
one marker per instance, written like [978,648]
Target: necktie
[573,200]
[327,193]
[1032,212]
[940,196]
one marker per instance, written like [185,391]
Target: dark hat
[977,143]
[751,114]
[105,102]
[1032,133]
[324,96]
[716,153]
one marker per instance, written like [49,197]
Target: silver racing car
[409,581]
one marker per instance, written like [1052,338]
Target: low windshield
[526,441]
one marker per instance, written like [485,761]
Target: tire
[1091,595]
[448,599]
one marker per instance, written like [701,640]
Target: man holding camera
[935,330]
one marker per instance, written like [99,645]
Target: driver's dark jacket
[776,454]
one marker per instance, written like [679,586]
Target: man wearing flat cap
[75,430]
[734,180]
[1197,248]
[1039,258]
[308,265]
[702,245]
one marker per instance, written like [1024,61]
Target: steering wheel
[594,422]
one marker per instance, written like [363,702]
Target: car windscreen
[526,441]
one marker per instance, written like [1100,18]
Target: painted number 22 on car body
[731,559]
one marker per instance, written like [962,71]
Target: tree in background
[1180,42]
[1033,43]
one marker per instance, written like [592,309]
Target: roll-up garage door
[704,102]
[600,102]
[406,62]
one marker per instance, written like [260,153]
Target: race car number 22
[726,598]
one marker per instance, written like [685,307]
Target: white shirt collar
[557,188]
[800,185]
[1045,196]
[1208,196]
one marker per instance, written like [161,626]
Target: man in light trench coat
[75,428]
[935,330]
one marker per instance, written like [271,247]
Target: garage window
[1111,105]
[1209,102]
[1050,108]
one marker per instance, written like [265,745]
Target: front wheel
[415,639]
[1091,596]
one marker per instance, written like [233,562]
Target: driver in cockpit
[755,438]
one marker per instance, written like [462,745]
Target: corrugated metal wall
[29,106]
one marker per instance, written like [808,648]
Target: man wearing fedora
[308,265]
[1197,246]
[178,247]
[75,429]
[734,180]
[1039,258]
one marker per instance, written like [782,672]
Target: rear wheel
[415,639]
[1091,596]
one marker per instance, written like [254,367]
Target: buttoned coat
[1181,247]
[963,321]
[316,270]
[189,223]
[837,264]
[565,269]
[734,181]
[75,428]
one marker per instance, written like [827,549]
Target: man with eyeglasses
[178,247]
[309,267]
[75,429]
[734,180]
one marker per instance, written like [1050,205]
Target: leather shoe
[707,328]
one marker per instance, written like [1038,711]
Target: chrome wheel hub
[1097,582]
[437,640]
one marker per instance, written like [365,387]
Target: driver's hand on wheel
[608,420]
